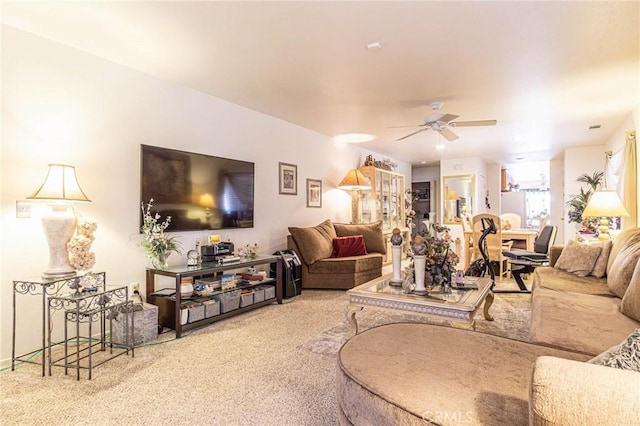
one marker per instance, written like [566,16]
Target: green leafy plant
[157,245]
[578,202]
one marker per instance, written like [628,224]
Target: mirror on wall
[458,197]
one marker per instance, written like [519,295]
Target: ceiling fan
[441,123]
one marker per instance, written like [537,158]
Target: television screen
[198,191]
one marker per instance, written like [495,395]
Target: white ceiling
[545,71]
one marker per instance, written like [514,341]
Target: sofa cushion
[578,322]
[565,392]
[621,271]
[557,279]
[347,265]
[578,258]
[625,356]
[371,232]
[600,268]
[626,238]
[352,245]
[314,242]
[630,305]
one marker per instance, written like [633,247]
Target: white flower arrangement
[155,242]
[78,246]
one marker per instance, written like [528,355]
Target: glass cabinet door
[385,200]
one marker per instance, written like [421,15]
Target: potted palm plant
[578,202]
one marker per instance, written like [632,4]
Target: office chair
[525,262]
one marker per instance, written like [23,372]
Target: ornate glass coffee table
[459,306]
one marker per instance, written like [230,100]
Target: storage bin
[246,299]
[269,292]
[211,308]
[145,325]
[258,295]
[196,312]
[229,300]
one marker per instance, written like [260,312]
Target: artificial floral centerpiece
[79,245]
[155,242]
[441,260]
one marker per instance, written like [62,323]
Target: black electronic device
[291,271]
[211,252]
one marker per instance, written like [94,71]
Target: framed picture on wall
[288,178]
[314,193]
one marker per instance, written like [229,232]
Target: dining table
[523,238]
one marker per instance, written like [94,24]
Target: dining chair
[514,219]
[495,244]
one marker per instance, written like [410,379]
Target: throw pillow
[577,258]
[630,305]
[621,270]
[600,268]
[372,233]
[348,246]
[315,242]
[625,356]
[626,238]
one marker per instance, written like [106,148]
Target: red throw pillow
[352,245]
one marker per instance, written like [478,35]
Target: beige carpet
[259,368]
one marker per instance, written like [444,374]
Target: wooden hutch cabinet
[385,202]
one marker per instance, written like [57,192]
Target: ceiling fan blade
[411,134]
[447,118]
[473,123]
[448,134]
[399,127]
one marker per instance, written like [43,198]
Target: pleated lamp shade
[354,180]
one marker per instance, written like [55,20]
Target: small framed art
[288,178]
[314,193]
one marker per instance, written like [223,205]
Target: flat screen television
[198,191]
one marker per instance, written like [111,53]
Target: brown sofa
[426,374]
[314,245]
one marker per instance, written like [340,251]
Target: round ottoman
[427,374]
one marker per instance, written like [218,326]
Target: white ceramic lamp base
[59,226]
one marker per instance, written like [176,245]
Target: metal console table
[208,269]
[88,308]
[46,288]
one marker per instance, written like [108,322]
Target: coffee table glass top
[467,299]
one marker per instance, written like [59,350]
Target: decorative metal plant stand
[86,309]
[46,288]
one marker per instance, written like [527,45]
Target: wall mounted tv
[198,191]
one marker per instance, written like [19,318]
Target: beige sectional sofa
[583,313]
[315,245]
[425,374]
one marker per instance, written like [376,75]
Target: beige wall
[61,105]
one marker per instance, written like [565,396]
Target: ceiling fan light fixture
[374,45]
[354,138]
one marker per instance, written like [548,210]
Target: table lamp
[355,181]
[604,204]
[60,187]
